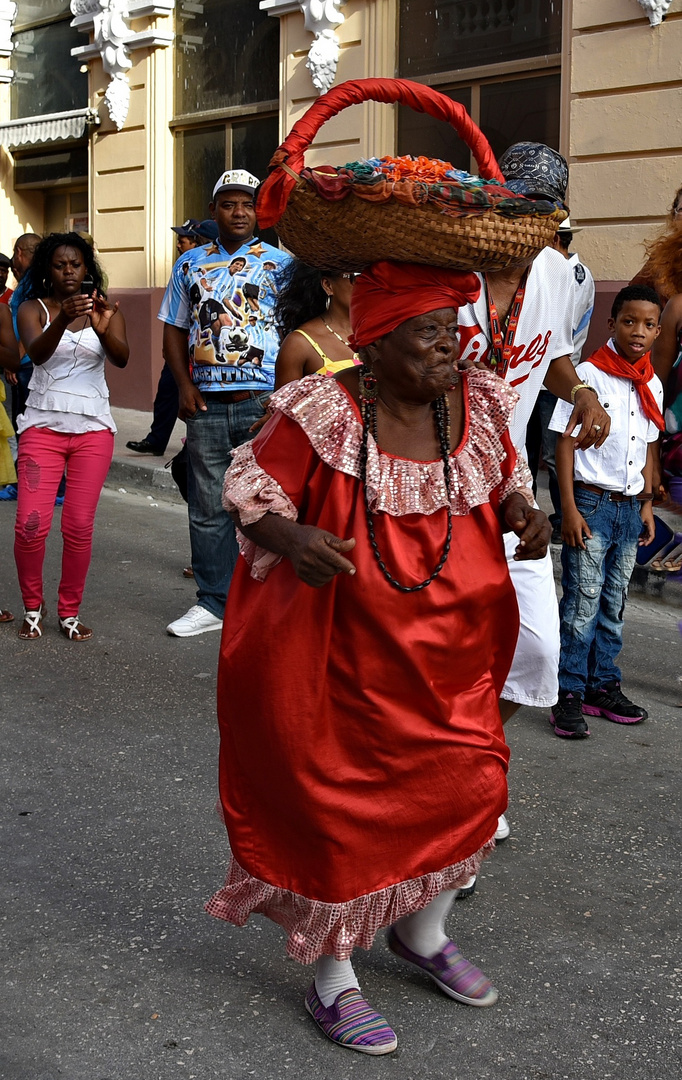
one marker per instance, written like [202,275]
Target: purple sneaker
[454,975]
[567,717]
[351,1022]
[610,701]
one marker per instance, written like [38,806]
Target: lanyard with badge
[501,346]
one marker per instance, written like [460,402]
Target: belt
[231,397]
[614,496]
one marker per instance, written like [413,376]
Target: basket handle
[287,161]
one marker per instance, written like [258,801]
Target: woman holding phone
[69,330]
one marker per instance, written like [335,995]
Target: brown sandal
[32,626]
[6,616]
[72,628]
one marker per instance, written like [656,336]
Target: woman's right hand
[316,555]
[74,307]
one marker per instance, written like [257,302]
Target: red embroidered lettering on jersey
[473,344]
[532,354]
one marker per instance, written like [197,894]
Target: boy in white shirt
[606,503]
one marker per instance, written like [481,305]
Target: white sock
[424,931]
[331,977]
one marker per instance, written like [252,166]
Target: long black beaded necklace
[368,409]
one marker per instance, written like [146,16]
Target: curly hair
[676,199]
[301,296]
[39,273]
[664,261]
[634,292]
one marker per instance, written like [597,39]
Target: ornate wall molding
[656,10]
[113,42]
[322,17]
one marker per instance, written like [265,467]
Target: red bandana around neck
[640,374]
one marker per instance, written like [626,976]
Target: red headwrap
[386,294]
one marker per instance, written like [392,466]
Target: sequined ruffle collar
[398,486]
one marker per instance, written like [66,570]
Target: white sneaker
[503,829]
[466,889]
[196,621]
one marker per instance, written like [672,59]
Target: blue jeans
[211,438]
[595,583]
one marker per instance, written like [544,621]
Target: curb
[144,478]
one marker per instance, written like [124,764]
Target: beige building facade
[116,118]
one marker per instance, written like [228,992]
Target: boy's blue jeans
[595,583]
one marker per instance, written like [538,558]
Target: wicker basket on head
[344,230]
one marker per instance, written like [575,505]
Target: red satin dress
[362,757]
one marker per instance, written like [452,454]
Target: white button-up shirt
[617,464]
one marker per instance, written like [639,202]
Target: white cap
[236,180]
[567,227]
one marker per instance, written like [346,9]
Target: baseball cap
[535,170]
[186,228]
[5,261]
[236,180]
[205,230]
[567,227]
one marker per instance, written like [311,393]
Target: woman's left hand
[101,314]
[530,525]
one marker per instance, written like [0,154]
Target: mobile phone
[87,286]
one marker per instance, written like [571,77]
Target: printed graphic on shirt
[579,271]
[226,302]
[544,332]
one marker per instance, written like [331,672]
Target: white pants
[533,679]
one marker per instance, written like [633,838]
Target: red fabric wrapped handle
[287,161]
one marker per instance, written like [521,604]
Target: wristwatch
[581,386]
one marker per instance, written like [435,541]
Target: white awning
[34,130]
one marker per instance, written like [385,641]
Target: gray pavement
[143,472]
[111,845]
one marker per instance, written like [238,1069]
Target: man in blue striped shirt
[220,343]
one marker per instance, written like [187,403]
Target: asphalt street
[111,845]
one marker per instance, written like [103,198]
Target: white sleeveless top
[69,393]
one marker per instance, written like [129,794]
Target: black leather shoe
[144,447]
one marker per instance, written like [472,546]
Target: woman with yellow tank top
[312,315]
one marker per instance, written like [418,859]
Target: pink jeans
[43,453]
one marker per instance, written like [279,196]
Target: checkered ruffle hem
[315,928]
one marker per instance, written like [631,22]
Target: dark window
[47,77]
[201,162]
[419,134]
[253,144]
[202,159]
[30,12]
[227,54]
[254,141]
[521,109]
[57,167]
[447,35]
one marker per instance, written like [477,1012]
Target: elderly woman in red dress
[363,762]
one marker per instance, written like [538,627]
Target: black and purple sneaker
[610,701]
[567,717]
